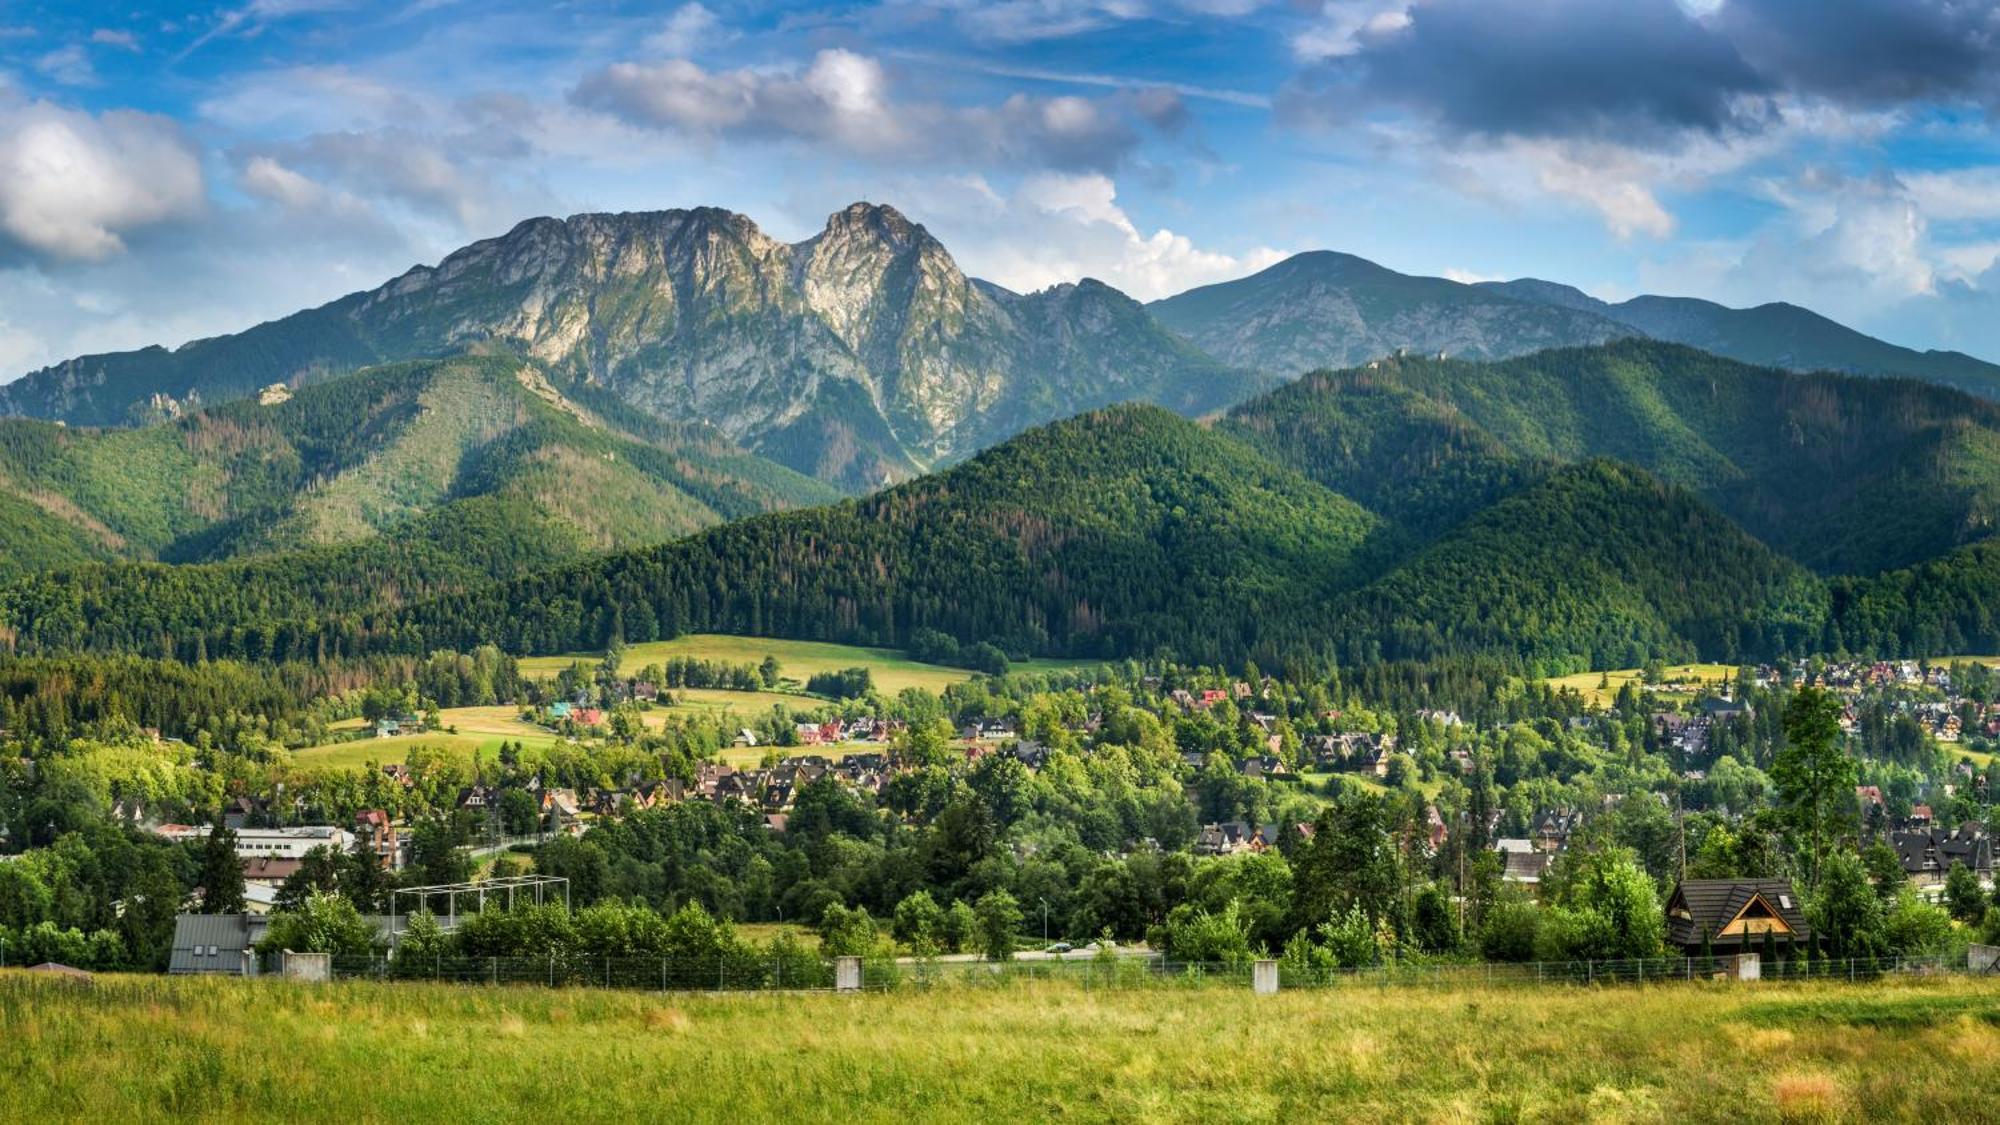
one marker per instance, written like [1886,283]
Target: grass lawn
[129,1048]
[763,932]
[745,757]
[480,729]
[1586,683]
[388,751]
[747,704]
[799,660]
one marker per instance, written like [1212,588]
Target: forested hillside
[1599,565]
[1120,531]
[361,456]
[1845,475]
[1322,309]
[1775,334]
[1573,509]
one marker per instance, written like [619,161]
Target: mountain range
[1575,508]
[860,356]
[630,426]
[864,355]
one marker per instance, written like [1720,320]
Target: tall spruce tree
[1813,775]
[221,872]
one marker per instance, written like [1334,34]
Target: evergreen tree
[1813,775]
[221,872]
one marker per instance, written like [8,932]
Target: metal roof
[213,943]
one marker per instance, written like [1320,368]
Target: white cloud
[1340,27]
[1968,261]
[844,100]
[265,178]
[1856,248]
[690,28]
[314,99]
[1054,228]
[252,18]
[1030,21]
[115,37]
[73,185]
[1964,193]
[1625,203]
[68,65]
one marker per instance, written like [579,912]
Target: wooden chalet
[1733,915]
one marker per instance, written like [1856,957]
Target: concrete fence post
[1264,978]
[313,967]
[1982,958]
[847,974]
[1749,966]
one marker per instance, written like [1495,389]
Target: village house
[376,832]
[1521,861]
[1266,768]
[1231,837]
[1729,916]
[1552,830]
[1928,852]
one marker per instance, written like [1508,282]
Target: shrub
[1194,934]
[323,923]
[1511,930]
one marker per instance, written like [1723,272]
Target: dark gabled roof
[228,934]
[1714,903]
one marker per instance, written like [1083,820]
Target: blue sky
[169,171]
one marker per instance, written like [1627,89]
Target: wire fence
[1629,971]
[748,973]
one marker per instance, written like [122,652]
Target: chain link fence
[747,972]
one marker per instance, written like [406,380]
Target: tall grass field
[153,1048]
[800,660]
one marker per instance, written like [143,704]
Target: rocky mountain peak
[877,221]
[873,274]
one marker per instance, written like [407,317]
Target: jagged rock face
[862,355]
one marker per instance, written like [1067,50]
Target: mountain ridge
[862,354]
[358,457]
[1569,509]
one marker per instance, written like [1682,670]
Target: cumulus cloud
[1860,248]
[1551,68]
[1054,227]
[691,27]
[1961,193]
[1872,52]
[75,185]
[1340,27]
[446,177]
[844,100]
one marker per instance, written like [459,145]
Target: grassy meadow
[892,670]
[152,1048]
[1603,687]
[800,659]
[480,729]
